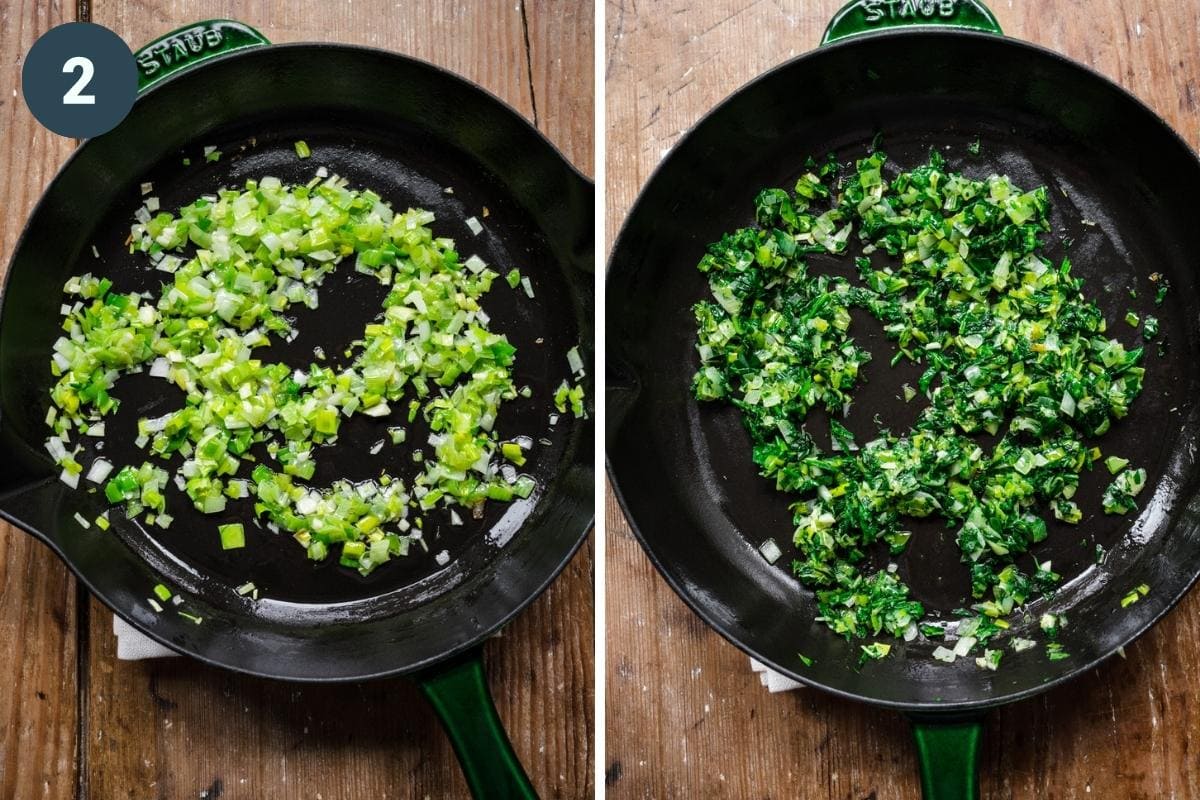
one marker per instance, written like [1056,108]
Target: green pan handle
[195,44]
[459,693]
[948,752]
[867,16]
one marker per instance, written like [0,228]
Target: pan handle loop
[868,16]
[459,694]
[186,47]
[948,754]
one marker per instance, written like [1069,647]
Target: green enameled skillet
[922,74]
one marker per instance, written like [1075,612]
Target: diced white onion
[574,361]
[944,654]
[964,645]
[770,551]
[69,478]
[99,470]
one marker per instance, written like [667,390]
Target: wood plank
[685,717]
[38,702]
[560,56]
[173,728]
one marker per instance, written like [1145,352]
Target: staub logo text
[179,47]
[878,10]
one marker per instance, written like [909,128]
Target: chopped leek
[237,264]
[233,536]
[1009,347]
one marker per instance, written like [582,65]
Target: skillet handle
[184,48]
[948,754]
[867,16]
[459,694]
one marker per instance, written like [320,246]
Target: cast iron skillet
[406,129]
[683,470]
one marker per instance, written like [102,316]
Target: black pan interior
[1121,184]
[420,138]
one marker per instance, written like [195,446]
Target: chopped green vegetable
[237,264]
[1149,327]
[1132,319]
[233,536]
[1055,652]
[1009,345]
[874,651]
[162,592]
[566,395]
[1115,464]
[513,278]
[1120,494]
[989,660]
[1134,595]
[513,452]
[302,150]
[975,147]
[805,660]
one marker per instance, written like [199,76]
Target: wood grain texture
[685,717]
[38,698]
[560,63]
[172,728]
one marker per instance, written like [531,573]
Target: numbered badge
[79,79]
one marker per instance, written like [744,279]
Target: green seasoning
[1010,347]
[260,253]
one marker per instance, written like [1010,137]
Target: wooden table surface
[77,723]
[685,717]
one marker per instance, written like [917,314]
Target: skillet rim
[662,565]
[502,108]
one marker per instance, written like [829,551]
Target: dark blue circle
[81,48]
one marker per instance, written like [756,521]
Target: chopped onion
[99,470]
[574,361]
[944,654]
[964,645]
[770,551]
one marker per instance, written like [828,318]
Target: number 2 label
[86,71]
